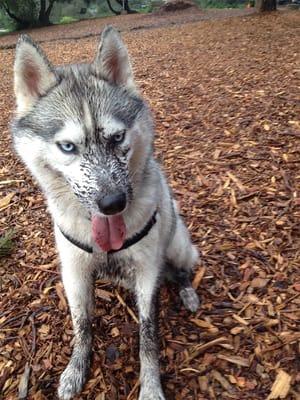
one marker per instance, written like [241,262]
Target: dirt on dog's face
[87,124]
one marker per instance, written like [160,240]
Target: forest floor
[224,94]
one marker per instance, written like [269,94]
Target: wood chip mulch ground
[224,94]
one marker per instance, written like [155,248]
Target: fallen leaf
[6,200]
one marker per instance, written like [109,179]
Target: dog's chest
[118,270]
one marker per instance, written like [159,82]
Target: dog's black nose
[112,203]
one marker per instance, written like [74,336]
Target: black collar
[128,242]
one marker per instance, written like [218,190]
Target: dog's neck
[128,242]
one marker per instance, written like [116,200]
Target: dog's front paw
[154,393]
[72,380]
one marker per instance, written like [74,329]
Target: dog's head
[84,125]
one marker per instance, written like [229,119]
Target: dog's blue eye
[67,147]
[119,137]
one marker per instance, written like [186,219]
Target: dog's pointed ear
[112,60]
[33,74]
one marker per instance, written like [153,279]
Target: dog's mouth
[109,232]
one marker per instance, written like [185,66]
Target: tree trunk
[111,9]
[42,9]
[265,5]
[49,9]
[44,14]
[126,6]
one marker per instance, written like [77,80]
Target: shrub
[67,20]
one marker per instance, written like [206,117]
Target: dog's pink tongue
[108,232]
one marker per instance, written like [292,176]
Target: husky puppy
[86,135]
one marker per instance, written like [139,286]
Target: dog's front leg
[78,284]
[146,294]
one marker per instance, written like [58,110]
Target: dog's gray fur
[86,104]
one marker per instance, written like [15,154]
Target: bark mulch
[224,94]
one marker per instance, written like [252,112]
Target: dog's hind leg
[78,284]
[182,279]
[182,257]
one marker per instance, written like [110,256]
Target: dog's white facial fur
[71,132]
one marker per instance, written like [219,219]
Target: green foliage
[27,13]
[6,243]
[149,6]
[28,9]
[79,9]
[6,23]
[67,20]
[146,6]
